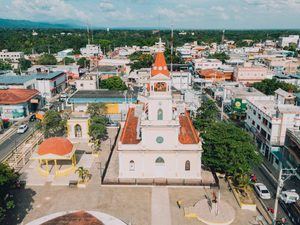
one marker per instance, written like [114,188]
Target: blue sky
[197,14]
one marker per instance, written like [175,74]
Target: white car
[262,191]
[22,129]
[289,196]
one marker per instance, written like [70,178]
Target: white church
[158,139]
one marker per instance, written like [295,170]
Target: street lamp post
[284,174]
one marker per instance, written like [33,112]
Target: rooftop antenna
[88,33]
[172,46]
[223,37]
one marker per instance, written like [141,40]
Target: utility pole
[172,46]
[284,174]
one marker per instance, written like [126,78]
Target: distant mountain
[8,23]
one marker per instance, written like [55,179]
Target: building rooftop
[16,96]
[47,76]
[103,95]
[15,79]
[129,134]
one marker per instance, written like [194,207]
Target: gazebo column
[47,166]
[55,166]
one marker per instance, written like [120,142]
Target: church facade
[158,139]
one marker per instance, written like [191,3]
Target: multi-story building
[11,56]
[286,41]
[91,51]
[291,150]
[249,74]
[203,63]
[268,118]
[282,65]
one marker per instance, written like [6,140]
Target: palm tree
[83,174]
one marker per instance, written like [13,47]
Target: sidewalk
[160,206]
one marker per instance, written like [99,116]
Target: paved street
[263,178]
[10,143]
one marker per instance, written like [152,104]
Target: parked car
[22,129]
[262,191]
[32,118]
[289,196]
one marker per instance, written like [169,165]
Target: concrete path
[160,206]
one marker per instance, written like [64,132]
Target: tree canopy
[229,149]
[47,59]
[222,56]
[269,86]
[140,60]
[8,181]
[206,115]
[5,65]
[113,83]
[53,125]
[96,109]
[68,60]
[24,64]
[97,129]
[83,62]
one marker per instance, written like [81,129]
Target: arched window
[78,130]
[131,165]
[160,114]
[160,161]
[187,165]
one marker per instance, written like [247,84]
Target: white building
[250,74]
[11,56]
[64,53]
[50,84]
[203,63]
[268,117]
[286,41]
[91,50]
[86,83]
[181,80]
[158,140]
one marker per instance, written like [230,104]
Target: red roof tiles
[55,145]
[188,134]
[129,134]
[76,218]
[16,96]
[160,65]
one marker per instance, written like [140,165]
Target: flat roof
[102,95]
[47,76]
[15,79]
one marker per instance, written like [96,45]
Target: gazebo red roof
[55,145]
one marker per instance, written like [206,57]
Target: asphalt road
[263,178]
[10,143]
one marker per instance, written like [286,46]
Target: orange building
[215,75]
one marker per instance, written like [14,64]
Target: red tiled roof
[129,134]
[56,146]
[188,134]
[76,218]
[160,65]
[16,96]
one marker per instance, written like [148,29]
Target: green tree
[113,83]
[83,62]
[53,124]
[68,60]
[24,64]
[5,65]
[269,86]
[47,59]
[83,174]
[222,56]
[229,149]
[140,60]
[206,115]
[8,181]
[96,109]
[97,129]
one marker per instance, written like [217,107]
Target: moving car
[262,191]
[22,129]
[289,196]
